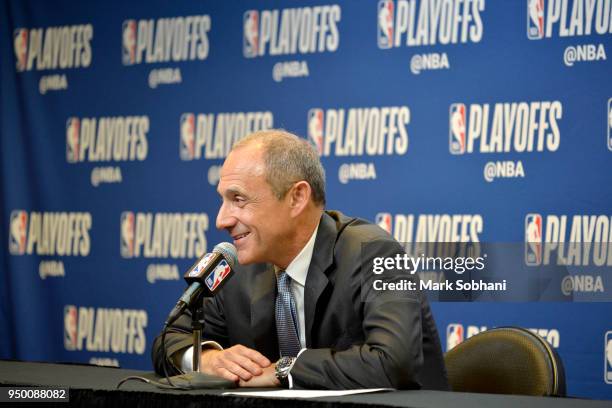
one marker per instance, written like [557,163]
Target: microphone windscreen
[228,251]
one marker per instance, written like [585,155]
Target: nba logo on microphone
[533,239]
[315,129]
[129,42]
[73,130]
[214,279]
[385,23]
[127,234]
[70,327]
[535,19]
[18,232]
[383,220]
[454,335]
[20,42]
[610,124]
[251,33]
[456,134]
[187,142]
[200,266]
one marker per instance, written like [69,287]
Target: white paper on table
[303,393]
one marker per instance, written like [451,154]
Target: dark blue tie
[286,317]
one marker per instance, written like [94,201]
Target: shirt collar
[298,268]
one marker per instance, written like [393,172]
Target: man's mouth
[239,237]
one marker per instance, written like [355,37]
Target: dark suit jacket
[356,337]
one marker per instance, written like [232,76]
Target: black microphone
[206,277]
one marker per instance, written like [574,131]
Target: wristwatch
[283,366]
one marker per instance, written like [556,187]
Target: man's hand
[266,379]
[235,363]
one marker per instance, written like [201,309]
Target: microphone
[206,277]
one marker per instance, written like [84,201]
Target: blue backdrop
[441,120]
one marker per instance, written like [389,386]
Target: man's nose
[224,219]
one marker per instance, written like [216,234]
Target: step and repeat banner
[442,121]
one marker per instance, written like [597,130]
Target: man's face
[257,221]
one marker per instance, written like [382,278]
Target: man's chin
[246,258]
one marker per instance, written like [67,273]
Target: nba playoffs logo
[456,134]
[533,239]
[129,42]
[214,279]
[610,124]
[535,19]
[17,233]
[454,335]
[20,42]
[73,128]
[187,143]
[70,327]
[383,220]
[385,23]
[127,234]
[608,358]
[315,129]
[201,265]
[251,33]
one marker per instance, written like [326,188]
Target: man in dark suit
[304,288]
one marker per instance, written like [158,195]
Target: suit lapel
[263,324]
[316,280]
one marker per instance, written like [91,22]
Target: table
[93,386]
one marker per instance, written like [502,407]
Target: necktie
[286,317]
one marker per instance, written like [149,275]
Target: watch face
[283,366]
[284,362]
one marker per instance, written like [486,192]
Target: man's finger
[236,369]
[225,373]
[246,363]
[254,355]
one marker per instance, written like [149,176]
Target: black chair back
[506,360]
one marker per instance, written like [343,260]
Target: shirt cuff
[289,375]
[187,358]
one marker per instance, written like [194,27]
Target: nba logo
[129,42]
[315,129]
[70,327]
[17,234]
[214,279]
[127,234]
[533,239]
[20,42]
[187,144]
[610,124]
[456,134]
[201,265]
[251,33]
[72,140]
[535,19]
[383,220]
[608,358]
[385,24]
[454,335]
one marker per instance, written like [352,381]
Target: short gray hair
[288,159]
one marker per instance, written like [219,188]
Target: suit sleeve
[392,352]
[179,335]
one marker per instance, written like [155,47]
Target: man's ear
[299,197]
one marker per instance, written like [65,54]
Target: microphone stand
[197,380]
[197,325]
